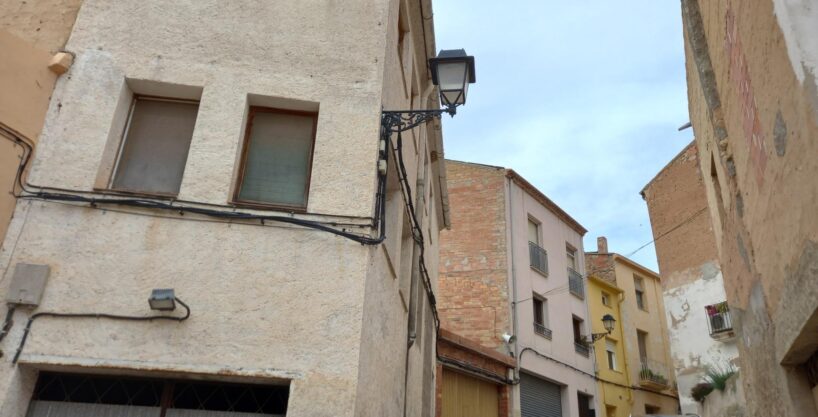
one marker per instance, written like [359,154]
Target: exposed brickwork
[474,295]
[676,197]
[600,265]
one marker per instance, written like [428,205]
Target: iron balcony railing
[582,348]
[653,373]
[542,330]
[539,257]
[575,283]
[718,319]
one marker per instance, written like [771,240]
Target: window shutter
[277,164]
[155,146]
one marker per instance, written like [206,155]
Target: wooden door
[466,396]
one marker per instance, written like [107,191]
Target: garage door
[465,396]
[68,395]
[539,398]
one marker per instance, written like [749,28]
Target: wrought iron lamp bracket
[596,336]
[395,121]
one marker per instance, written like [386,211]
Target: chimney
[602,244]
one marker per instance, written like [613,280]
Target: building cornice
[545,201]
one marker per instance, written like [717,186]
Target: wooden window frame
[248,128]
[123,138]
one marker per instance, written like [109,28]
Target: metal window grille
[575,283]
[539,257]
[167,394]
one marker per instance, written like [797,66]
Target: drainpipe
[510,208]
[625,349]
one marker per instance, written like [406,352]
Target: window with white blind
[155,145]
[533,232]
[277,158]
[610,352]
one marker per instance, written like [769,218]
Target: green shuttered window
[277,158]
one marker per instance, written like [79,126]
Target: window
[539,316]
[610,352]
[639,285]
[538,257]
[577,324]
[642,339]
[610,411]
[155,145]
[652,409]
[533,232]
[571,255]
[277,158]
[606,299]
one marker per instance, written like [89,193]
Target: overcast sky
[582,98]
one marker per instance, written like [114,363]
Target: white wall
[562,305]
[691,346]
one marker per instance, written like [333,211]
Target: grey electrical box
[27,284]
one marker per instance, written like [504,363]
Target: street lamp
[452,72]
[608,322]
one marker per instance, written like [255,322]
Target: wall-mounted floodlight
[162,299]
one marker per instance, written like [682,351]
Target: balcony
[575,283]
[582,348]
[652,374]
[539,258]
[542,330]
[719,322]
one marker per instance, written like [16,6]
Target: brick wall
[600,265]
[677,204]
[474,287]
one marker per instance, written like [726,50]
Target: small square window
[155,145]
[606,299]
[277,158]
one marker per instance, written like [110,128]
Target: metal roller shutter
[539,398]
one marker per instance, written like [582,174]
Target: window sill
[537,270]
[268,207]
[143,194]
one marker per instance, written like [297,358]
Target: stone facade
[271,303]
[751,70]
[691,273]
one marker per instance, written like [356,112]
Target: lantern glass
[608,322]
[453,78]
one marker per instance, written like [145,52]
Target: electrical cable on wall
[34,316]
[96,198]
[588,374]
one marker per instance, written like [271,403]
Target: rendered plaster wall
[651,320]
[753,109]
[44,23]
[561,304]
[693,350]
[29,32]
[613,382]
[269,303]
[691,275]
[727,403]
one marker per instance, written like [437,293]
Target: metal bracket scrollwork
[403,120]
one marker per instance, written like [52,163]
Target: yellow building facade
[641,335]
[615,397]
